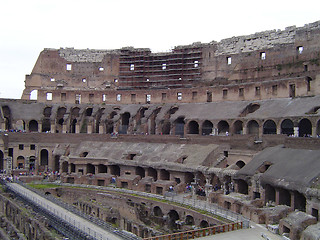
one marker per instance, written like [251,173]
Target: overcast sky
[29,26]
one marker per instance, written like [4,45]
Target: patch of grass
[42,186]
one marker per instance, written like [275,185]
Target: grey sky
[27,27]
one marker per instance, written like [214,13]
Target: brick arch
[193,127]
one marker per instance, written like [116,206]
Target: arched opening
[1,161]
[318,128]
[179,126]
[91,169]
[109,126]
[60,119]
[166,126]
[47,112]
[140,171]
[20,162]
[207,127]
[223,127]
[204,224]
[153,173]
[7,117]
[269,127]
[65,167]
[287,127]
[33,126]
[305,128]
[189,177]
[114,170]
[164,174]
[32,163]
[238,127]
[173,216]
[240,164]
[189,220]
[253,127]
[201,179]
[242,186]
[157,211]
[73,126]
[20,125]
[284,197]
[270,194]
[56,163]
[193,127]
[102,168]
[44,157]
[125,119]
[299,201]
[72,167]
[33,95]
[89,112]
[46,125]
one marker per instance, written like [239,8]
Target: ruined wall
[263,65]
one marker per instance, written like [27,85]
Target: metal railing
[192,234]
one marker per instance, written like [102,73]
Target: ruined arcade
[238,119]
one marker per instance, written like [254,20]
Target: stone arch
[33,126]
[240,164]
[193,127]
[238,127]
[204,224]
[157,211]
[242,186]
[65,167]
[153,173]
[109,126]
[33,95]
[140,171]
[164,174]
[60,119]
[20,125]
[179,126]
[189,177]
[46,125]
[287,127]
[270,193]
[72,167]
[207,127]
[7,117]
[56,163]
[223,127]
[91,169]
[32,163]
[114,170]
[305,128]
[1,161]
[20,162]
[125,120]
[44,157]
[253,127]
[173,216]
[89,111]
[318,128]
[73,126]
[47,112]
[269,127]
[189,220]
[102,168]
[284,197]
[201,179]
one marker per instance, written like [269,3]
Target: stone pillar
[292,200]
[89,128]
[39,127]
[77,128]
[277,196]
[64,128]
[244,129]
[101,129]
[296,131]
[314,131]
[279,128]
[53,127]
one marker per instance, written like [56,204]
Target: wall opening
[193,127]
[238,127]
[287,127]
[305,128]
[269,127]
[207,127]
[223,128]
